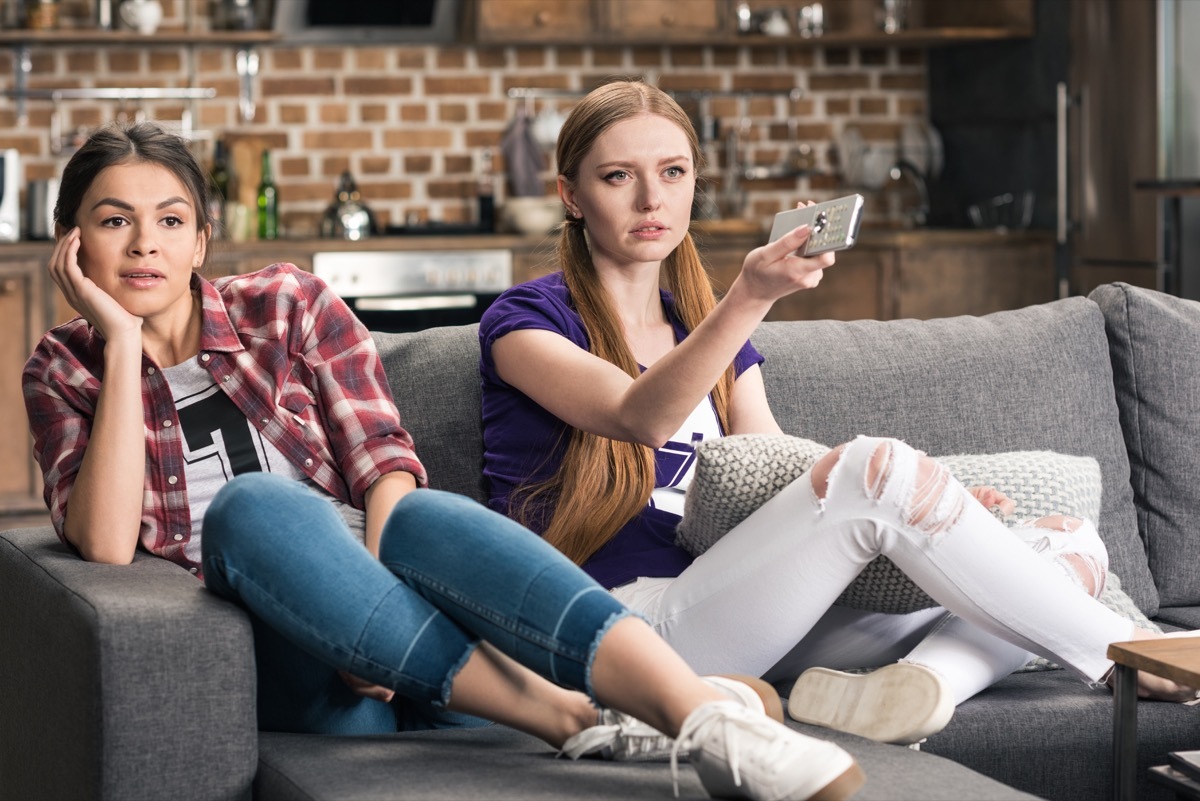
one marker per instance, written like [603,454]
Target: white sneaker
[624,738]
[743,754]
[900,703]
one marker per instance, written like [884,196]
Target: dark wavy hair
[122,144]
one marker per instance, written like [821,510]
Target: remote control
[834,224]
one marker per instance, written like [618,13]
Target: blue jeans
[450,573]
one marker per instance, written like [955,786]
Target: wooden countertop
[714,233]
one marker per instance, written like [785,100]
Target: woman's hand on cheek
[95,305]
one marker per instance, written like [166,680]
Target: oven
[409,290]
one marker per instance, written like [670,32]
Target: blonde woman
[598,380]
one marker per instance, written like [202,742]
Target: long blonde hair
[603,483]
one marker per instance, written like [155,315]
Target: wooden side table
[1174,658]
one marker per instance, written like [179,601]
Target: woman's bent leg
[502,582]
[746,602]
[970,659]
[283,552]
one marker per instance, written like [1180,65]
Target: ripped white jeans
[760,600]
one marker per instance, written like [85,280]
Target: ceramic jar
[142,16]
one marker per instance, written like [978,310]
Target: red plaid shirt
[289,354]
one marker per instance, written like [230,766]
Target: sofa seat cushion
[1154,342]
[1051,734]
[1030,379]
[496,763]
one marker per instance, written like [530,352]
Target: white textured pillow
[737,474]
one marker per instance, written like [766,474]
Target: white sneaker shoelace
[622,737]
[619,736]
[735,723]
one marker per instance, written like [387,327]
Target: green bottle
[268,202]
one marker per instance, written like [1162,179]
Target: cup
[142,16]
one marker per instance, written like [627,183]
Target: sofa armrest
[119,681]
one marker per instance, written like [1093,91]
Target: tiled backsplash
[412,122]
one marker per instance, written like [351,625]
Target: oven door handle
[416,303]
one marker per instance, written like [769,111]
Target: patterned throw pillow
[737,474]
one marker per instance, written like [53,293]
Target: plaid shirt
[288,353]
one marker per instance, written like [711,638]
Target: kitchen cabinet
[946,278]
[919,274]
[534,21]
[847,22]
[27,308]
[597,21]
[664,21]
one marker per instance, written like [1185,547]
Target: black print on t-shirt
[205,417]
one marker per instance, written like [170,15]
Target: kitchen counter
[721,231]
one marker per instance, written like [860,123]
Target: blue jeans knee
[502,582]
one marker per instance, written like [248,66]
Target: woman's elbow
[106,554]
[649,436]
[104,550]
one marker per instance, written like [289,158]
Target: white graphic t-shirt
[675,462]
[220,443]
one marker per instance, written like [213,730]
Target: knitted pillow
[737,474]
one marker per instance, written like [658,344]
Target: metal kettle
[347,216]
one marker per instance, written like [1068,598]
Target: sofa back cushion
[1032,379]
[1036,378]
[1154,343]
[434,375]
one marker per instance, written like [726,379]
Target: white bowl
[532,215]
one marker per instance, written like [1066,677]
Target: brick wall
[411,122]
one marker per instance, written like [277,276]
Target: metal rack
[22,41]
[58,96]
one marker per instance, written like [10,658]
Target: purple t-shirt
[524,443]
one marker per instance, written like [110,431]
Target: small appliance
[40,197]
[10,195]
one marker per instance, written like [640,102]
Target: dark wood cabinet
[27,309]
[664,21]
[847,22]
[914,274]
[534,21]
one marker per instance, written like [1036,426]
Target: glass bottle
[487,194]
[268,202]
[219,175]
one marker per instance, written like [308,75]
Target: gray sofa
[133,682]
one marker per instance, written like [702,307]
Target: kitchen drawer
[516,21]
[663,20]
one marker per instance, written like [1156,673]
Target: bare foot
[1156,687]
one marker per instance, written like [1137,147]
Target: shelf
[121,37]
[924,37]
[22,41]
